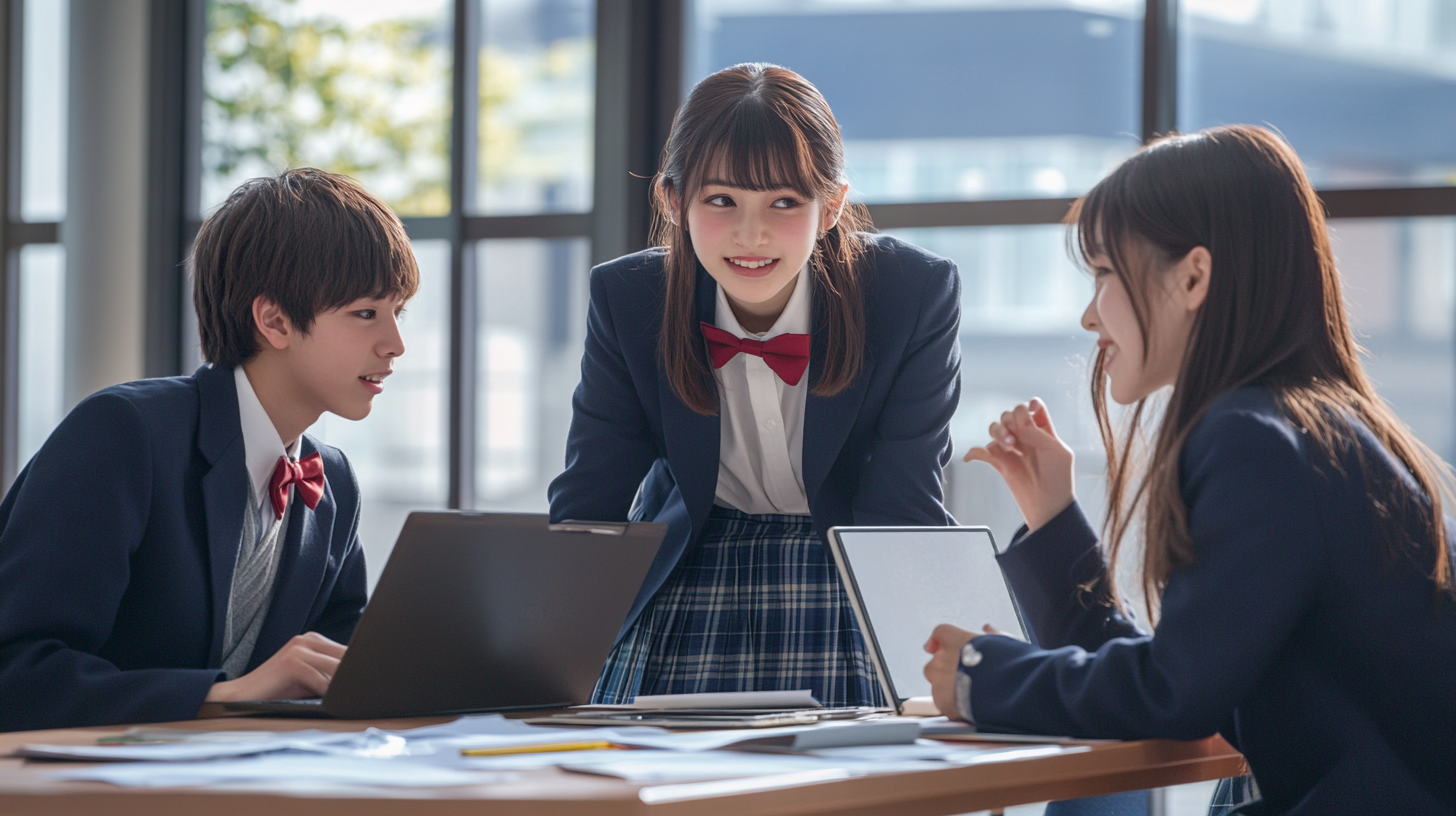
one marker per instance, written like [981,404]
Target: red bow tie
[307,474]
[786,355]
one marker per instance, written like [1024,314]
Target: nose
[1089,315]
[392,345]
[752,229]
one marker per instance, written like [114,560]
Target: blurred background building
[969,124]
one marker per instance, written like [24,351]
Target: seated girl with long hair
[1296,557]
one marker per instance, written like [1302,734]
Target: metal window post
[463,147]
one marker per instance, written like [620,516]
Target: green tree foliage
[371,102]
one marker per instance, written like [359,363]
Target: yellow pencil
[544,748]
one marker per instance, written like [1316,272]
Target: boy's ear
[272,324]
[833,209]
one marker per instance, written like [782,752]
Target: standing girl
[1292,525]
[770,371]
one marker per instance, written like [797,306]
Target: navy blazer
[117,548]
[1328,662]
[873,453]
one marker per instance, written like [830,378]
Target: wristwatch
[969,656]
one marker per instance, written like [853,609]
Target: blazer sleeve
[1256,520]
[1061,583]
[351,586]
[900,481]
[609,447]
[74,518]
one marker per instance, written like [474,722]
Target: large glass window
[1022,299]
[355,88]
[1365,90]
[41,401]
[532,324]
[43,110]
[948,101]
[537,68]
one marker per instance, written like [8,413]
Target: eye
[720,200]
[786,203]
[367,314]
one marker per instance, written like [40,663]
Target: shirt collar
[793,320]
[261,444]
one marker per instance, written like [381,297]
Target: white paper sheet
[647,767]
[265,742]
[802,698]
[278,768]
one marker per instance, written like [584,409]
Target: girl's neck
[757,318]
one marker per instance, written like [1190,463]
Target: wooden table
[1106,768]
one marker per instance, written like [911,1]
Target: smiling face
[339,366]
[1137,363]
[754,242]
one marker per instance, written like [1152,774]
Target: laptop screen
[909,580]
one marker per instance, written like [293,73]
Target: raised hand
[1035,463]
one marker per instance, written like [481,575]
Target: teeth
[751,264]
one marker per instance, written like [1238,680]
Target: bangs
[374,257]
[753,148]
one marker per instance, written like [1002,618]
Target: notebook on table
[486,612]
[904,581]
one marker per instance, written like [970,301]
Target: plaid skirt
[756,605]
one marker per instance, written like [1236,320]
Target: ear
[669,194]
[1194,273]
[833,209]
[272,324]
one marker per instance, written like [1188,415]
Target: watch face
[969,656]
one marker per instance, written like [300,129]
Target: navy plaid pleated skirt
[755,605]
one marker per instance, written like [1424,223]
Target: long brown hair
[1273,316]
[761,127]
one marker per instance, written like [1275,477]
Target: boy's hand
[302,668]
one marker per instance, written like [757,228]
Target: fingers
[991,630]
[1042,416]
[318,643]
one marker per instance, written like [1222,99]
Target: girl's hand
[1035,463]
[944,648]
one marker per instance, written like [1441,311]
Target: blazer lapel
[301,566]
[828,420]
[693,439]
[224,488]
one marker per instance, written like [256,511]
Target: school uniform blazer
[1327,660]
[117,547]
[873,453]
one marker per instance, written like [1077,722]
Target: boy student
[179,541]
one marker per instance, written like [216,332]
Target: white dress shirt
[261,447]
[761,449]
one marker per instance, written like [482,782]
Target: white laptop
[904,581]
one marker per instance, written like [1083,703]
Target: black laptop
[486,612]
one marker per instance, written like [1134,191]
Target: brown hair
[308,240]
[1273,316]
[763,128]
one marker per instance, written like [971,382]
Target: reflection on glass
[1365,90]
[532,324]
[360,88]
[1400,287]
[398,451]
[42,338]
[946,100]
[43,111]
[537,92]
